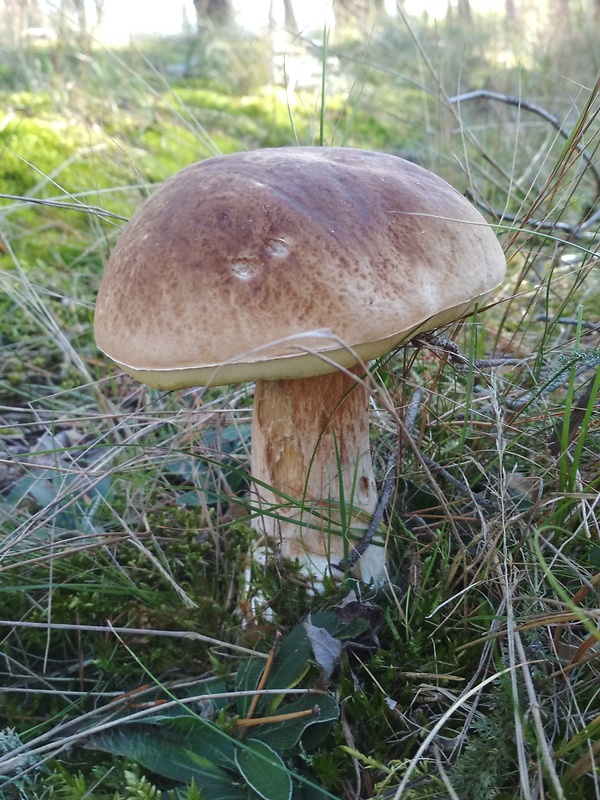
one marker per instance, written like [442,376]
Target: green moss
[27,142]
[488,762]
[51,158]
[85,588]
[31,104]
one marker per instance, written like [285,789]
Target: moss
[86,589]
[25,142]
[30,104]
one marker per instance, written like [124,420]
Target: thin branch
[534,226]
[387,490]
[519,102]
[592,326]
[456,357]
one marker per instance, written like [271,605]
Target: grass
[123,522]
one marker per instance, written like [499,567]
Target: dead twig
[554,121]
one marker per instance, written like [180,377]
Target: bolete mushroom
[293,268]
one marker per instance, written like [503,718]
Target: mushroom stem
[314,480]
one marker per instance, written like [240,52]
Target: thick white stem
[312,465]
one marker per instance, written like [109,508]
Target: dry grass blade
[50,626]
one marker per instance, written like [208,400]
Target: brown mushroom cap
[248,266]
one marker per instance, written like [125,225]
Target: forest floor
[124,520]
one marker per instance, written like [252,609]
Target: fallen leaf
[326,648]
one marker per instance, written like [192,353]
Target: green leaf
[283,736]
[289,667]
[200,736]
[341,629]
[264,771]
[225,444]
[246,679]
[159,750]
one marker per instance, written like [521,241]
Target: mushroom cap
[284,263]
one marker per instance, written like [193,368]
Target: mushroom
[294,267]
